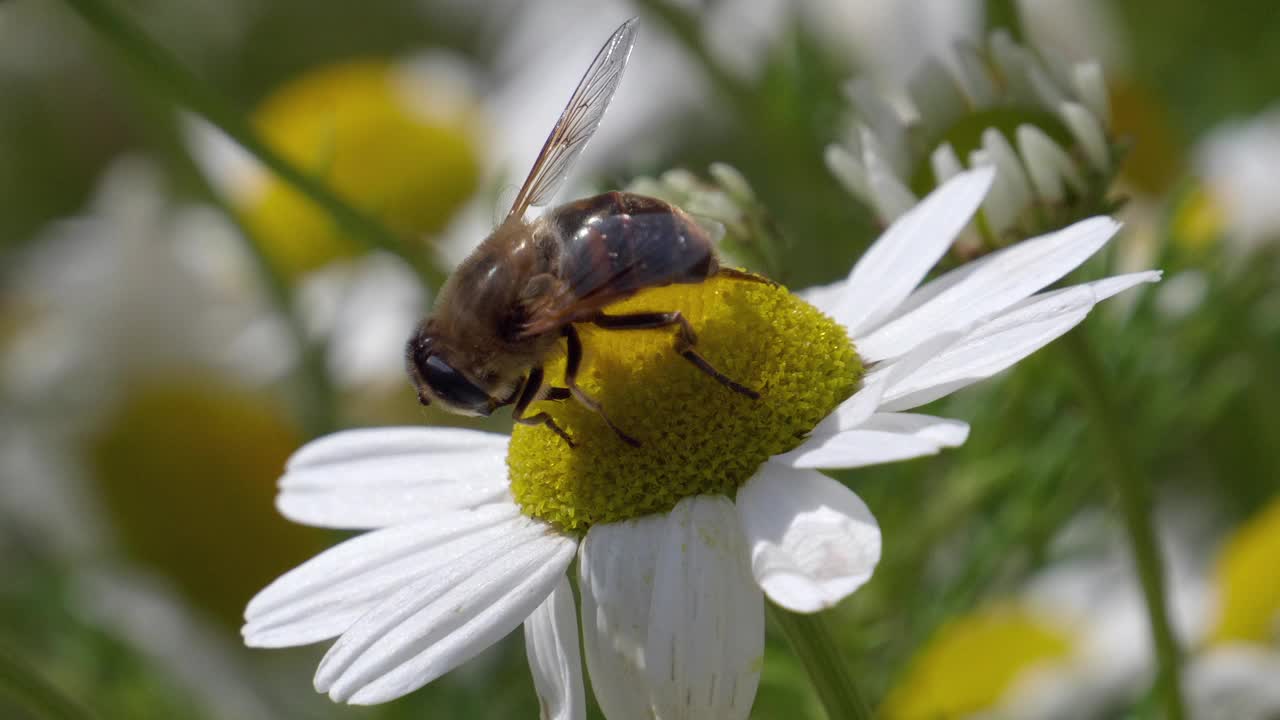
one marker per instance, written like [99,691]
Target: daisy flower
[1235,161]
[680,540]
[1039,119]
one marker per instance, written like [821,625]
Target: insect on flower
[505,308]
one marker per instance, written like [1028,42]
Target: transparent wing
[578,122]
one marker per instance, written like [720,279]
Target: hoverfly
[504,309]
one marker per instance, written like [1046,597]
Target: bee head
[436,379]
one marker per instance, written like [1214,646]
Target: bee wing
[631,243]
[578,122]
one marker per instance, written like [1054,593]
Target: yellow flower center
[697,436]
[354,126]
[1248,581]
[171,461]
[1198,221]
[973,661]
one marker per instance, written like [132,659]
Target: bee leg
[556,394]
[744,275]
[572,363]
[532,385]
[685,340]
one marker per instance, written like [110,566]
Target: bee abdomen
[622,242]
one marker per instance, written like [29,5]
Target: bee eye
[453,387]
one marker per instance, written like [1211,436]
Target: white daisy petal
[364,443]
[896,263]
[884,125]
[1090,85]
[445,618]
[998,207]
[1011,178]
[1108,287]
[936,96]
[945,163]
[889,373]
[849,170]
[375,478]
[1051,169]
[1088,132]
[890,196]
[989,286]
[943,431]
[615,572]
[1004,340]
[551,644]
[326,595]
[856,448]
[813,541]
[705,643]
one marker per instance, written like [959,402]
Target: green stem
[34,693]
[1004,14]
[163,69]
[1133,490]
[813,641]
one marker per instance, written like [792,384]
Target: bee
[504,310]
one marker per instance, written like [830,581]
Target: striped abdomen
[617,243]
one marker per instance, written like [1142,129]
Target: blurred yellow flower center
[973,661]
[697,436]
[1248,581]
[178,455]
[410,161]
[1199,220]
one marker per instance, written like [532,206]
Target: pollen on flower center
[696,435]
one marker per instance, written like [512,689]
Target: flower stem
[1003,14]
[162,69]
[813,641]
[34,693]
[1134,494]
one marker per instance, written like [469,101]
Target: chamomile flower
[678,541]
[357,125]
[1039,119]
[1237,161]
[1072,644]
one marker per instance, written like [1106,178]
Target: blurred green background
[152,388]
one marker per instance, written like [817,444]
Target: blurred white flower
[1238,162]
[890,40]
[1091,606]
[365,308]
[1234,682]
[1094,594]
[1052,169]
[135,284]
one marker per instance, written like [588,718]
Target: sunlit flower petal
[616,569]
[551,644]
[705,642]
[324,596]
[813,541]
[376,478]
[442,619]
[899,260]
